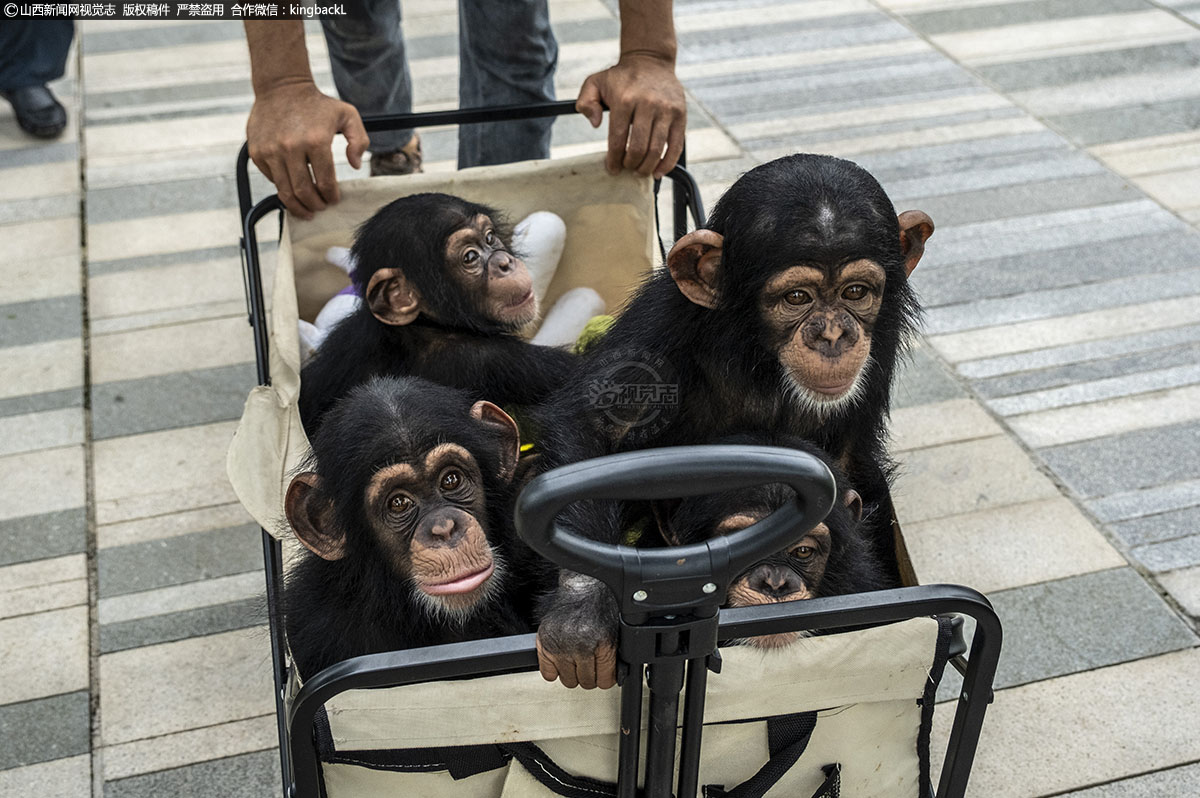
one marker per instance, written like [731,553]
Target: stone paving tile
[189,398]
[1092,391]
[1146,501]
[57,152]
[967,477]
[178,560]
[1159,527]
[176,750]
[200,257]
[1173,781]
[45,729]
[58,664]
[921,379]
[245,776]
[47,430]
[176,232]
[40,239]
[60,778]
[1151,155]
[179,598]
[1156,87]
[1006,547]
[1091,66]
[994,15]
[41,482]
[1184,587]
[1098,726]
[1169,555]
[1140,459]
[41,180]
[27,210]
[41,368]
[42,277]
[953,157]
[188,684]
[41,402]
[169,627]
[165,525]
[939,423]
[1107,418]
[137,354]
[133,202]
[36,537]
[1107,125]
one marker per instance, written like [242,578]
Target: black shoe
[38,112]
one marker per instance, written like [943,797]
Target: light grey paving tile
[153,95]
[1128,122]
[1078,353]
[770,37]
[938,423]
[165,34]
[180,625]
[37,537]
[1067,69]
[246,776]
[57,664]
[922,379]
[184,748]
[41,402]
[1017,171]
[42,482]
[1097,391]
[180,598]
[1139,459]
[199,194]
[180,559]
[24,323]
[1159,527]
[1178,781]
[168,401]
[955,156]
[58,778]
[96,267]
[1149,500]
[1066,626]
[1169,555]
[44,729]
[996,15]
[44,430]
[1058,302]
[1184,587]
[1088,371]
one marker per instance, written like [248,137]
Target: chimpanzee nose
[502,263]
[774,580]
[443,528]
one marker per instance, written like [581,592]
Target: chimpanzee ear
[695,261]
[915,228]
[310,512]
[510,437]
[853,503]
[392,298]
[663,510]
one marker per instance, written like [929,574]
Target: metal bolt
[641,595]
[709,587]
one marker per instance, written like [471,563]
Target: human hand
[647,112]
[291,129]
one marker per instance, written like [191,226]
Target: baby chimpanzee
[833,559]
[404,507]
[443,297]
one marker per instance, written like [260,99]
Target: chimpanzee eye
[854,292]
[452,480]
[470,257]
[400,503]
[490,238]
[803,552]
[797,297]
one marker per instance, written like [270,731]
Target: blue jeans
[507,54]
[33,52]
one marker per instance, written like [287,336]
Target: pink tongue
[464,585]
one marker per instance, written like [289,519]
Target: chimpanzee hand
[647,112]
[576,640]
[291,128]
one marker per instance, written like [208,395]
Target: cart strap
[787,737]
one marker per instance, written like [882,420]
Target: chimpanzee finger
[586,671]
[545,664]
[639,139]
[618,136]
[606,666]
[324,174]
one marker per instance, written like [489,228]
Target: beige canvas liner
[610,247]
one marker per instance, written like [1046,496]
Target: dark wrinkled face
[480,261]
[428,520]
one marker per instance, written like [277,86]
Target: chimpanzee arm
[500,369]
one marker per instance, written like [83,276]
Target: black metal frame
[295,717]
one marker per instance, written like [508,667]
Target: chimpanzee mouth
[461,584]
[522,301]
[834,391]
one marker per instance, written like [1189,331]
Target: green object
[593,331]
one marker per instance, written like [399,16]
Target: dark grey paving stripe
[38,402]
[41,320]
[1170,555]
[1125,122]
[246,776]
[170,401]
[1161,252]
[152,199]
[165,34]
[992,16]
[922,379]
[98,267]
[39,537]
[996,152]
[1004,170]
[1158,528]
[857,71]
[1020,199]
[35,154]
[180,559]
[772,38]
[1067,626]
[39,208]
[1174,781]
[1068,69]
[180,625]
[235,105]
[1088,371]
[44,729]
[132,98]
[1140,459]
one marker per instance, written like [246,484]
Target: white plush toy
[539,239]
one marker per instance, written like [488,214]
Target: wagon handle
[678,577]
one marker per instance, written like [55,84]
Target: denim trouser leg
[507,54]
[33,52]
[370,70]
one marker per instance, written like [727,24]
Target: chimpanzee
[443,296]
[833,559]
[786,314]
[404,509]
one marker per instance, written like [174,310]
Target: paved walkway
[1049,425]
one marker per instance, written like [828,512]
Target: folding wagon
[844,713]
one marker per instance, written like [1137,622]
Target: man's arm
[292,124]
[647,108]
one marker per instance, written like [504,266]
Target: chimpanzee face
[478,259]
[428,518]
